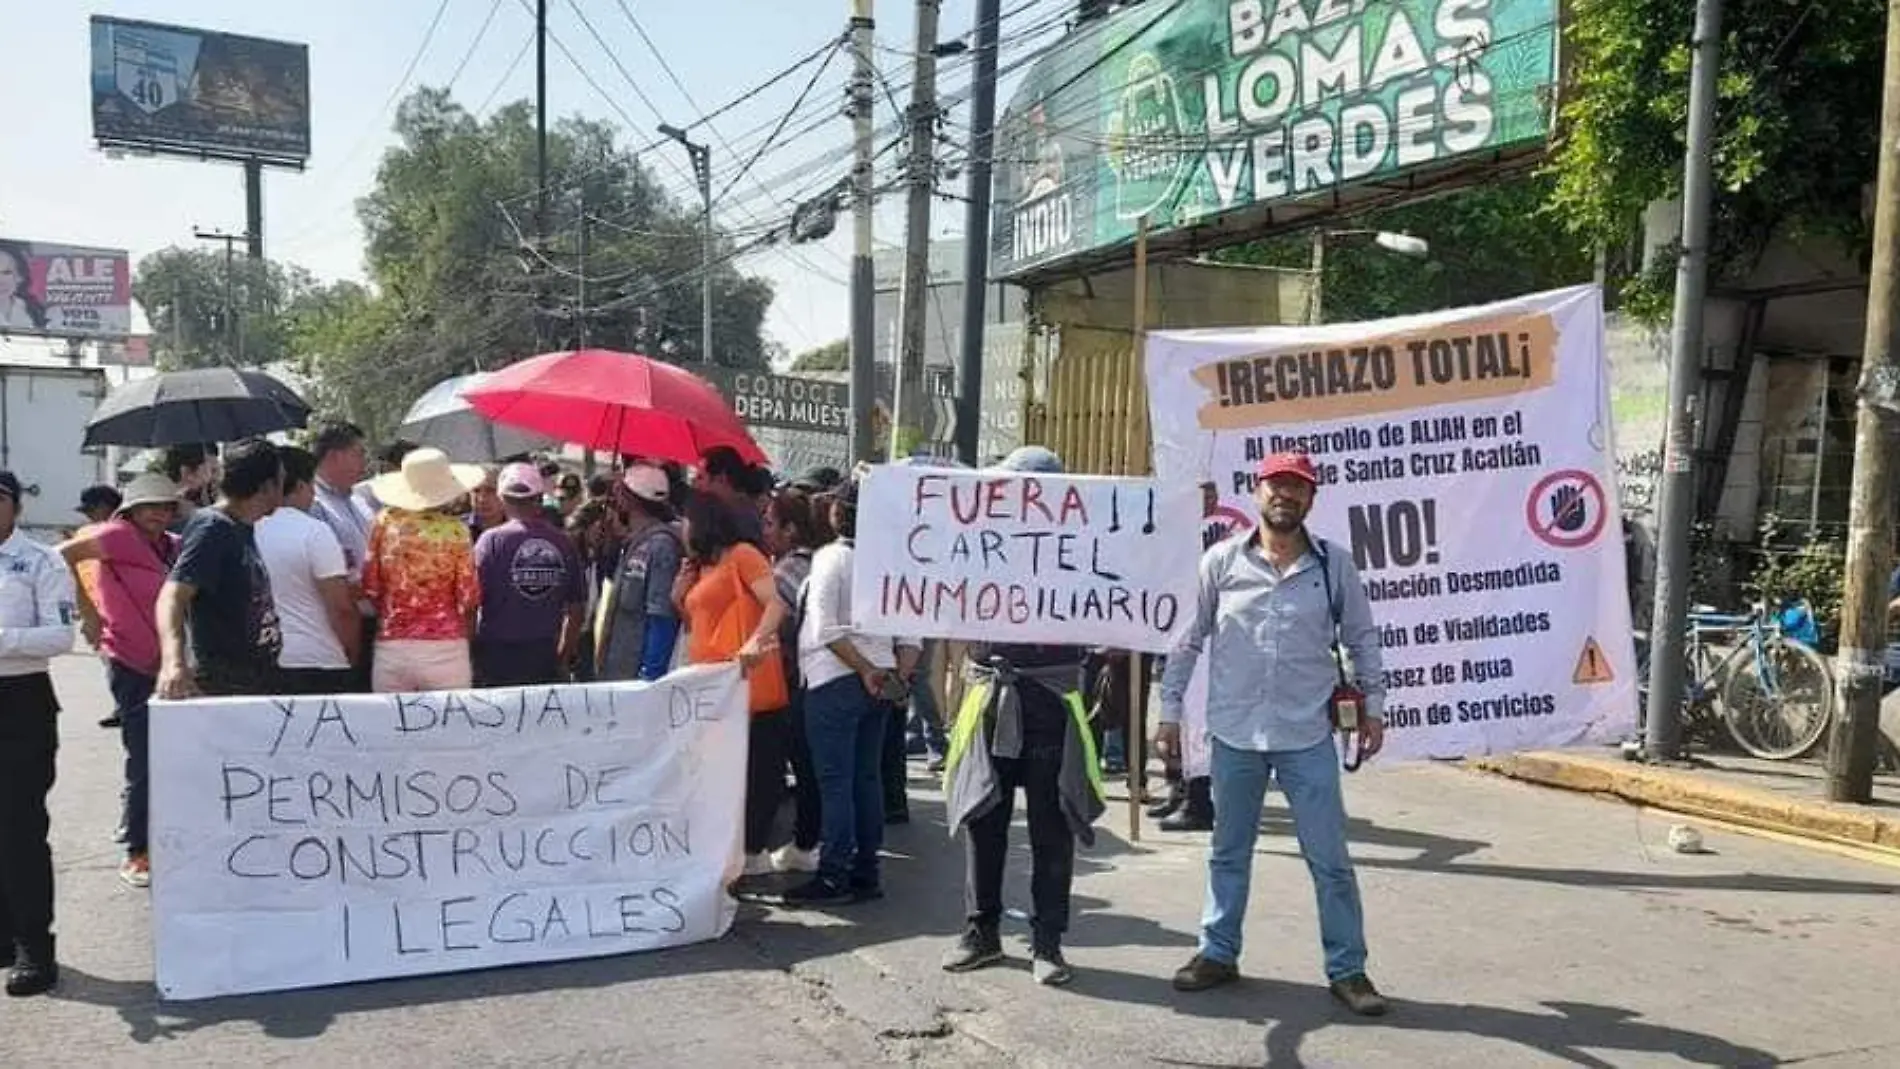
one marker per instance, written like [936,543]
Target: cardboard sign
[1010,557]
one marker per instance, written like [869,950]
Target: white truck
[43,414]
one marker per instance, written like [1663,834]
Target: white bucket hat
[427,481]
[152,488]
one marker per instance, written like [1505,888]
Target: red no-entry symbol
[1567,509]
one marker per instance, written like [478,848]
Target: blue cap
[1033,458]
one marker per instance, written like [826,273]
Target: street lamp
[1398,244]
[702,170]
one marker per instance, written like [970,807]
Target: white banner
[1465,457]
[303,841]
[989,556]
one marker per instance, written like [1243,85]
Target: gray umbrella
[441,418]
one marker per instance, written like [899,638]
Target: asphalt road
[1512,926]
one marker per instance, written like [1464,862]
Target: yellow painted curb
[1685,793]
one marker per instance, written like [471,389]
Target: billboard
[788,402]
[63,291]
[1201,112]
[169,88]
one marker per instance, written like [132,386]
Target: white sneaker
[757,864]
[790,858]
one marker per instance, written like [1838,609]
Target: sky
[55,186]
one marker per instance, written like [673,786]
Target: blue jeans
[845,727]
[131,696]
[1310,780]
[926,720]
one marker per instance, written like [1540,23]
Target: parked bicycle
[1743,674]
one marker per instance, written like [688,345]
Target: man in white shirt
[37,609]
[310,581]
[851,680]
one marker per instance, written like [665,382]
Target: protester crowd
[279,570]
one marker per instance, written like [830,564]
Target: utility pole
[701,155]
[1318,282]
[920,167]
[1663,738]
[254,208]
[976,230]
[1870,523]
[541,119]
[234,317]
[580,284]
[538,282]
[863,324]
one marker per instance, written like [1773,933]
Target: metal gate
[1086,397]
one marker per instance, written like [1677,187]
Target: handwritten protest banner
[1463,456]
[302,841]
[1009,557]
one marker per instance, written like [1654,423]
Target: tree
[1487,243]
[461,281]
[1797,123]
[206,311]
[835,356]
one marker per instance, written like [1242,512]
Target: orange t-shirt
[713,632]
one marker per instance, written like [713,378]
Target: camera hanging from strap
[1348,703]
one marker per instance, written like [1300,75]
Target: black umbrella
[207,405]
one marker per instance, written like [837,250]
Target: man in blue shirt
[1270,603]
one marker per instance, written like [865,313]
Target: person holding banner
[1022,724]
[218,630]
[1275,606]
[733,612]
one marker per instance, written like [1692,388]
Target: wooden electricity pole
[1870,524]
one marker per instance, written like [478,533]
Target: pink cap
[521,481]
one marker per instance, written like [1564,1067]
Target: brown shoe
[1202,973]
[1357,994]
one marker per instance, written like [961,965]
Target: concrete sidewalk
[1784,797]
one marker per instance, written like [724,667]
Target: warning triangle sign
[1592,666]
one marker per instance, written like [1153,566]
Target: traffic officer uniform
[36,623]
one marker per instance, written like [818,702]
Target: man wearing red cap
[1275,605]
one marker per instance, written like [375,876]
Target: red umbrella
[621,402]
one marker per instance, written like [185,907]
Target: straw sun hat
[427,481]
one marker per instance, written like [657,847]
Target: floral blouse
[420,573]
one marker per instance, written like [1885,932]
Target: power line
[474,45]
[828,52]
[816,53]
[772,137]
[409,71]
[625,74]
[502,82]
[722,109]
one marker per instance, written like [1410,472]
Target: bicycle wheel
[1701,696]
[1779,701]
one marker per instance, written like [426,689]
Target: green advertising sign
[1187,111]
